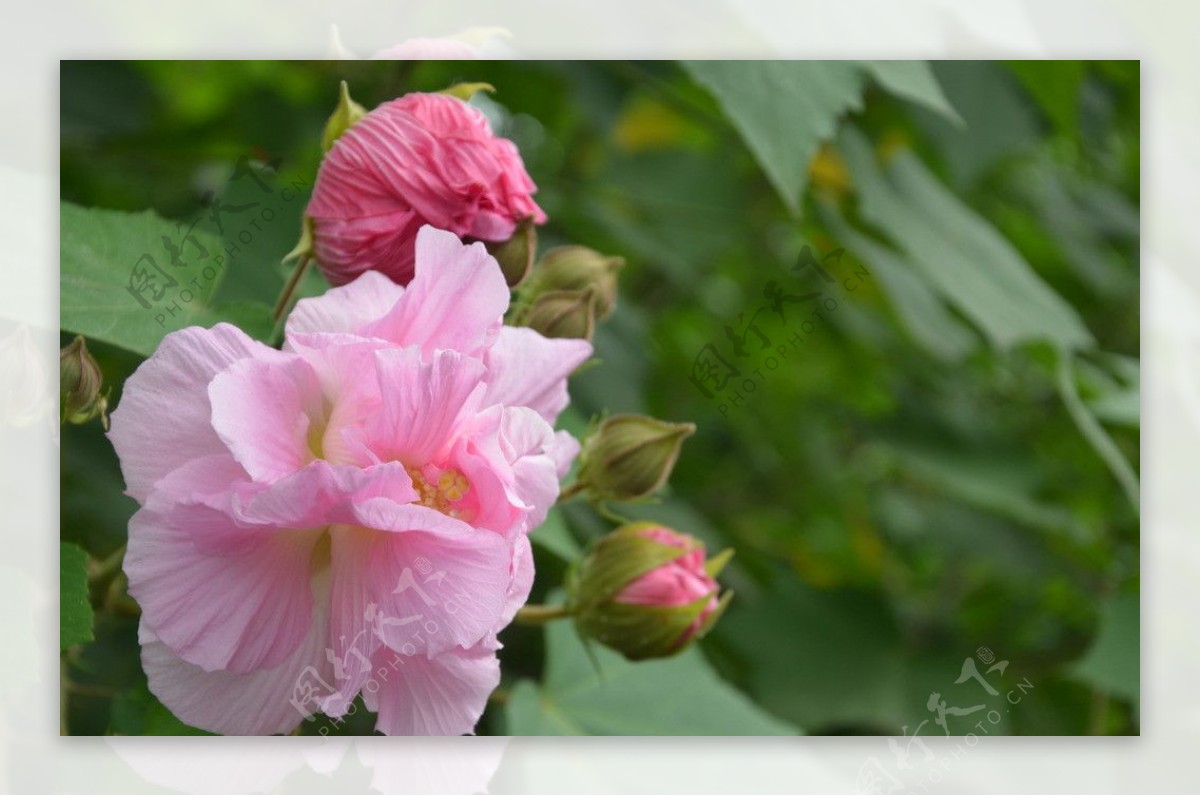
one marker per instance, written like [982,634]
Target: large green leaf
[554,536]
[962,257]
[1113,662]
[784,109]
[673,696]
[108,256]
[1056,87]
[914,81]
[75,610]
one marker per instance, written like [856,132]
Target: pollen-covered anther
[448,488]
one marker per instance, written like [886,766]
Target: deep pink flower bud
[647,591]
[420,159]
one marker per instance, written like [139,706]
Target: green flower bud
[646,591]
[562,313]
[630,456]
[80,382]
[578,268]
[343,118]
[515,255]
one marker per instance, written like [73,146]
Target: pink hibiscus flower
[420,159]
[348,515]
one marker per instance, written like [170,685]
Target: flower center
[441,490]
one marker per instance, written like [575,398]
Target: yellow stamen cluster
[451,487]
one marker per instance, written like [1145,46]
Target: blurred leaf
[784,109]
[961,255]
[914,81]
[999,121]
[1112,664]
[1055,85]
[555,536]
[138,712]
[75,610]
[100,249]
[672,696]
[835,655]
[924,315]
[1120,402]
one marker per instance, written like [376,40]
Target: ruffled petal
[424,403]
[347,309]
[221,596]
[445,695]
[264,411]
[456,300]
[263,702]
[527,369]
[164,419]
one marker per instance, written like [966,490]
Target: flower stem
[285,298]
[540,614]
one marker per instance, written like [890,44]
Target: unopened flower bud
[646,591]
[578,268]
[630,456]
[80,383]
[342,119]
[515,255]
[563,313]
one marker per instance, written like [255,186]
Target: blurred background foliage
[940,467]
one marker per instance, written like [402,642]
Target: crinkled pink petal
[346,309]
[431,568]
[527,369]
[164,417]
[263,702]
[220,596]
[445,695]
[264,412]
[425,402]
[456,300]
[522,579]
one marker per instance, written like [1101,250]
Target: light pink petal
[352,639]
[345,365]
[263,702]
[424,402]
[526,369]
[522,579]
[436,582]
[456,300]
[563,451]
[265,411]
[445,695]
[349,308]
[221,596]
[320,494]
[164,417]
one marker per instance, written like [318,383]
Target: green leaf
[1112,664]
[915,81]
[845,666]
[554,536]
[1056,87]
[138,712]
[784,109]
[100,250]
[923,314]
[75,610]
[962,257]
[673,696]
